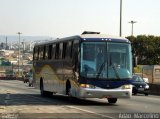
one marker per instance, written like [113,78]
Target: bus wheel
[112,100]
[68,88]
[41,87]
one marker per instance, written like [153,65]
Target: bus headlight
[126,87]
[86,86]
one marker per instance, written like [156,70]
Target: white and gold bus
[90,65]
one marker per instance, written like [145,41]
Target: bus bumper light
[127,87]
[86,86]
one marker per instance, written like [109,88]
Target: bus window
[54,51]
[35,55]
[41,53]
[50,52]
[100,57]
[69,49]
[46,51]
[38,52]
[75,57]
[75,48]
[60,50]
[64,50]
[88,55]
[57,51]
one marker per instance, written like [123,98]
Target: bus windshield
[105,60]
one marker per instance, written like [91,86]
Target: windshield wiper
[100,70]
[114,69]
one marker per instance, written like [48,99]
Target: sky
[63,18]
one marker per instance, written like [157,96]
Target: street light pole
[22,55]
[19,33]
[132,22]
[120,30]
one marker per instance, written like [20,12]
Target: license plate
[107,96]
[141,89]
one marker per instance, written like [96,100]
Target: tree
[146,48]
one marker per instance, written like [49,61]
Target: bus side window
[50,52]
[75,54]
[57,51]
[41,53]
[46,51]
[60,50]
[69,49]
[53,51]
[35,55]
[75,47]
[38,51]
[64,50]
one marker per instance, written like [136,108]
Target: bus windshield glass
[105,60]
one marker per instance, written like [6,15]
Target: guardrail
[154,89]
[11,78]
[7,78]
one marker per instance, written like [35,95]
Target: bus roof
[100,36]
[103,37]
[89,37]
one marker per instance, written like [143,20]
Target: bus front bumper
[105,93]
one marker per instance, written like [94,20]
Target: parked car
[30,81]
[139,85]
[26,78]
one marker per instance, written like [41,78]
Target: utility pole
[6,43]
[132,22]
[23,43]
[120,30]
[19,33]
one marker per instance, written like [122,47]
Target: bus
[90,65]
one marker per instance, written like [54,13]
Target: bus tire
[44,93]
[112,100]
[41,87]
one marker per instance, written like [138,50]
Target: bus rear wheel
[112,100]
[68,88]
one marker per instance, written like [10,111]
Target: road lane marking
[109,117]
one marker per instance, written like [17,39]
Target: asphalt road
[17,100]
